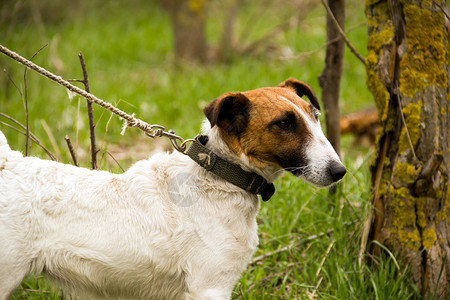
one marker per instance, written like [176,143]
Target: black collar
[232,173]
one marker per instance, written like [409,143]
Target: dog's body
[166,228]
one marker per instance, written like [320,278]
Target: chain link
[159,131]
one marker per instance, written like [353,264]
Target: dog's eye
[315,112]
[316,115]
[285,124]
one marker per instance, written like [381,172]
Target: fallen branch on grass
[360,122]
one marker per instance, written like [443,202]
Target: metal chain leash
[150,130]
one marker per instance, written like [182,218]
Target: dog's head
[274,128]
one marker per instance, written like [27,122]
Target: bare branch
[152,131]
[342,33]
[281,28]
[71,150]
[115,160]
[442,9]
[90,113]
[307,53]
[25,103]
[25,106]
[397,97]
[33,137]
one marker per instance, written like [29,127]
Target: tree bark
[407,73]
[188,22]
[330,79]
[227,36]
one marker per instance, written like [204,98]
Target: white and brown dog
[168,228]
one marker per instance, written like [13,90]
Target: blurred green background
[128,49]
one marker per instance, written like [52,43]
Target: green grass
[128,50]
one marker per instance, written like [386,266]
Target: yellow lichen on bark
[412,122]
[381,34]
[421,216]
[404,173]
[407,73]
[442,216]
[404,218]
[428,238]
[424,63]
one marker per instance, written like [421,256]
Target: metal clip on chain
[177,142]
[150,130]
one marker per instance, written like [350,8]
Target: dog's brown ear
[301,89]
[229,111]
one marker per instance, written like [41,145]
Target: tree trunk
[227,36]
[188,22]
[407,73]
[330,79]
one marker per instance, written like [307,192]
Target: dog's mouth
[296,171]
[321,177]
[296,164]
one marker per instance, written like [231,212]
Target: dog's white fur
[123,235]
[164,229]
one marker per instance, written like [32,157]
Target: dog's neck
[216,144]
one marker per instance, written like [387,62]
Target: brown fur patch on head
[230,112]
[267,124]
[301,89]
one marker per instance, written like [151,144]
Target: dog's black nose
[336,170]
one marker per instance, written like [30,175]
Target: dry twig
[325,257]
[25,104]
[32,136]
[150,130]
[313,294]
[327,252]
[279,29]
[342,33]
[90,110]
[115,160]
[442,9]
[307,53]
[71,150]
[131,121]
[397,97]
